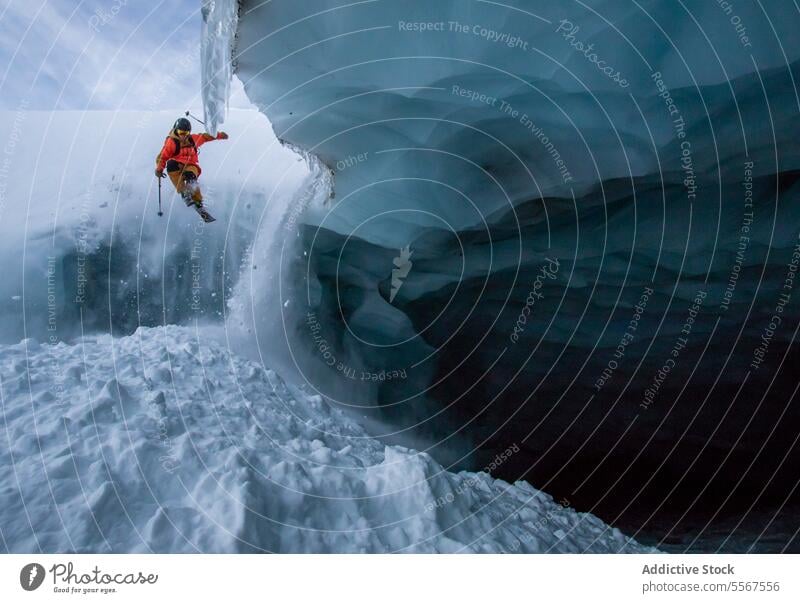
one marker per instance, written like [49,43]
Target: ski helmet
[182,124]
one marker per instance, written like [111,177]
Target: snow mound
[161,442]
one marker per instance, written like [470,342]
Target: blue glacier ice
[570,226]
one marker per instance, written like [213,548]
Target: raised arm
[201,139]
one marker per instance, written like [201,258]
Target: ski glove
[222,136]
[159,173]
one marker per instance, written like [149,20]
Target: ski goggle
[182,132]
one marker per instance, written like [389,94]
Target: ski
[207,217]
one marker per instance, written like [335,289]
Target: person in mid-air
[179,157]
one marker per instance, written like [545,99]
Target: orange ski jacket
[183,152]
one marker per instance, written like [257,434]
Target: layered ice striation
[571,227]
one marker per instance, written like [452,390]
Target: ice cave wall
[93,253]
[563,225]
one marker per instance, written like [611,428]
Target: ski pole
[160,213]
[188,114]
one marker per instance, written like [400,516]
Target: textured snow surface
[162,442]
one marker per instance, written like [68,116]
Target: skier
[179,157]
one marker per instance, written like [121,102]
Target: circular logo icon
[31,576]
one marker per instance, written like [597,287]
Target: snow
[260,303]
[165,441]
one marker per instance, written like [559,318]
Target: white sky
[102,54]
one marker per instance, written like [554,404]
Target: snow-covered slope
[163,441]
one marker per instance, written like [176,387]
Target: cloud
[112,54]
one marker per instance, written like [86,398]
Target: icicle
[216,50]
